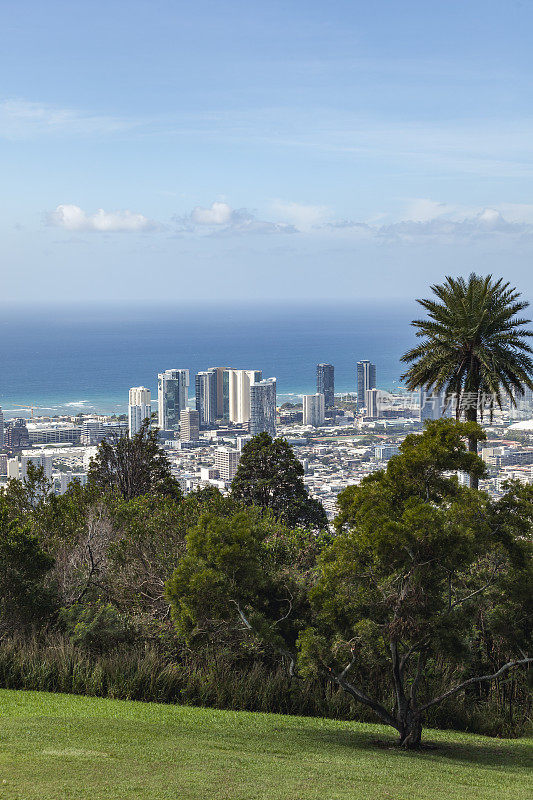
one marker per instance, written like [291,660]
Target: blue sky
[246,150]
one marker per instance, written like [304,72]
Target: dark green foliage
[26,600]
[98,626]
[417,562]
[270,476]
[133,467]
[233,578]
[396,594]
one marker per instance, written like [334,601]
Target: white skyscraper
[139,408]
[1,429]
[172,396]
[314,409]
[239,382]
[227,461]
[372,403]
[263,407]
[365,380]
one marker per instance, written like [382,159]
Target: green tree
[415,558]
[244,573]
[398,589]
[474,346]
[27,599]
[270,476]
[133,466]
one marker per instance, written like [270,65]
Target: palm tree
[474,347]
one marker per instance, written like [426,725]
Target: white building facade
[139,408]
[314,407]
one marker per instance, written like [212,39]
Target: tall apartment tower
[372,403]
[366,380]
[227,461]
[263,407]
[189,425]
[325,383]
[139,408]
[206,397]
[237,387]
[222,408]
[1,429]
[313,409]
[172,396]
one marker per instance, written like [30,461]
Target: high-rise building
[206,396]
[189,425]
[227,461]
[172,396]
[325,383]
[16,435]
[1,429]
[263,407]
[237,385]
[372,403]
[222,407]
[366,379]
[139,408]
[313,409]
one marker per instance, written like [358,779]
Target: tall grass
[57,665]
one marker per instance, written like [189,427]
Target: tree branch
[378,709]
[479,679]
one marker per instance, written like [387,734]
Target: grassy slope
[61,746]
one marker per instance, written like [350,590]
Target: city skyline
[221,152]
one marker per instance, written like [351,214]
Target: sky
[161,150]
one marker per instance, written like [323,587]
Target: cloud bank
[74,218]
[423,221]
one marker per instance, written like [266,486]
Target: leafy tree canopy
[24,567]
[417,561]
[270,476]
[133,466]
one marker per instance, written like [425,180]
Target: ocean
[85,358]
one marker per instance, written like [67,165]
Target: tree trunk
[471,416]
[411,731]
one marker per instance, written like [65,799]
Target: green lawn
[66,747]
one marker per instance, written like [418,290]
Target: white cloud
[217,214]
[303,217]
[74,218]
[221,219]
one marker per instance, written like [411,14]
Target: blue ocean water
[79,358]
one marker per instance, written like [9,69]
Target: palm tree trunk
[471,416]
